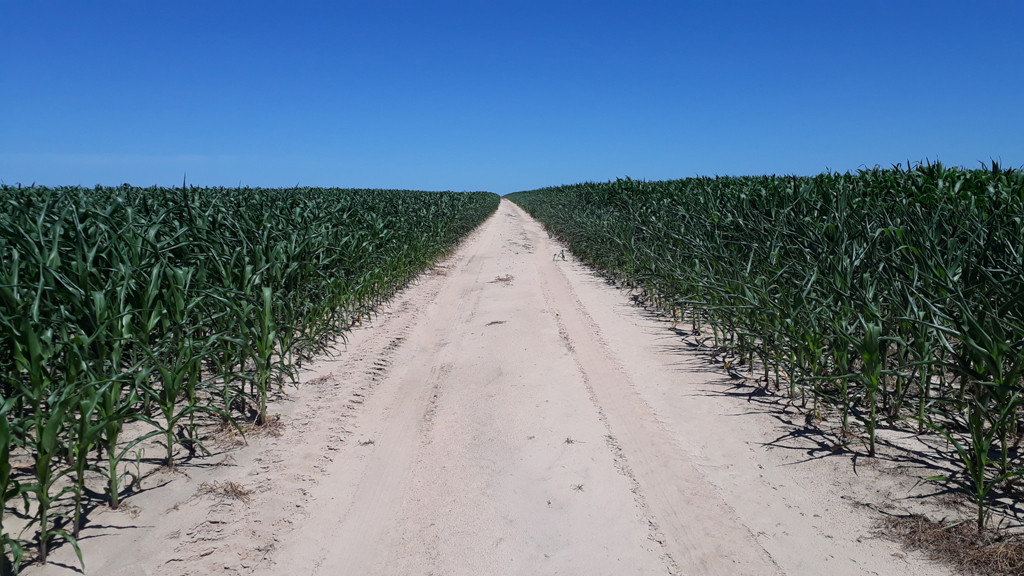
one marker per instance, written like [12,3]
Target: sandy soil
[512,413]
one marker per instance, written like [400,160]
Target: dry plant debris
[961,545]
[273,426]
[227,489]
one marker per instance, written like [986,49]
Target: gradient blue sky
[499,96]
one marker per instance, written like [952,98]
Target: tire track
[697,530]
[394,425]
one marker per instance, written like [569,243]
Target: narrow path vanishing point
[513,415]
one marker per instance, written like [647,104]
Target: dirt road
[510,414]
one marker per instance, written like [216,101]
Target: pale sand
[512,414]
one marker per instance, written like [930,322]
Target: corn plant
[889,296]
[164,306]
[10,489]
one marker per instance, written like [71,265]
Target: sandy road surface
[509,414]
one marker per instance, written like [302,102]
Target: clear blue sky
[500,96]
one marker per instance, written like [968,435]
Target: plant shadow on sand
[146,473]
[945,534]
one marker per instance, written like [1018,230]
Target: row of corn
[170,307]
[886,298]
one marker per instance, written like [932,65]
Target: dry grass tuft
[273,426]
[232,490]
[130,509]
[989,553]
[321,379]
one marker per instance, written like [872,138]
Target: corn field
[169,306]
[886,298]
